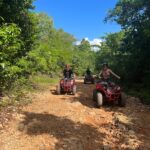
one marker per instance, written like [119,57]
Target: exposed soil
[67,122]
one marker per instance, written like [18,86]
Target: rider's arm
[114,74]
[99,75]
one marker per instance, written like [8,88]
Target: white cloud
[77,42]
[95,41]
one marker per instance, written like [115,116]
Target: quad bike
[108,92]
[66,86]
[89,79]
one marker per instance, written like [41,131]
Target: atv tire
[58,90]
[99,99]
[74,90]
[122,100]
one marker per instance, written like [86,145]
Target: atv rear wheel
[122,100]
[99,99]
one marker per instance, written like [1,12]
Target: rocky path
[66,122]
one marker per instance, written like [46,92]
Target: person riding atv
[88,77]
[67,72]
[106,72]
[88,72]
[106,91]
[67,84]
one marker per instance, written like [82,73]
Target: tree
[85,45]
[53,48]
[17,35]
[134,17]
[16,11]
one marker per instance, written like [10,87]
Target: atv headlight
[71,82]
[118,88]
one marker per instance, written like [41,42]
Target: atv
[108,93]
[89,79]
[66,85]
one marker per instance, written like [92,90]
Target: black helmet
[105,64]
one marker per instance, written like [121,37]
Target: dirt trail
[66,122]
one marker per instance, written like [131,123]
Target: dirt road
[66,122]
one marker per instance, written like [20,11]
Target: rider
[67,72]
[88,72]
[106,72]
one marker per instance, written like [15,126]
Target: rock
[6,119]
[42,147]
[77,104]
[65,146]
[81,120]
[106,147]
[21,127]
[122,119]
[60,149]
[131,132]
[14,110]
[121,127]
[92,113]
[1,126]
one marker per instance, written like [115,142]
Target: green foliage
[136,22]
[81,60]
[42,82]
[53,48]
[17,34]
[111,52]
[10,45]
[16,11]
[85,45]
[18,93]
[83,57]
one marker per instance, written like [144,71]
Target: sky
[81,18]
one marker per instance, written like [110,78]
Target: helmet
[105,64]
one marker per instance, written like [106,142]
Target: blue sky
[81,18]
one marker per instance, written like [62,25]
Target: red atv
[66,86]
[108,92]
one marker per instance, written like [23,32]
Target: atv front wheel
[99,99]
[122,100]
[74,90]
[58,90]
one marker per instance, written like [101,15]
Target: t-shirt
[67,73]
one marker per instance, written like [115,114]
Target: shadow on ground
[72,135]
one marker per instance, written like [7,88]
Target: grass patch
[20,93]
[42,81]
[17,94]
